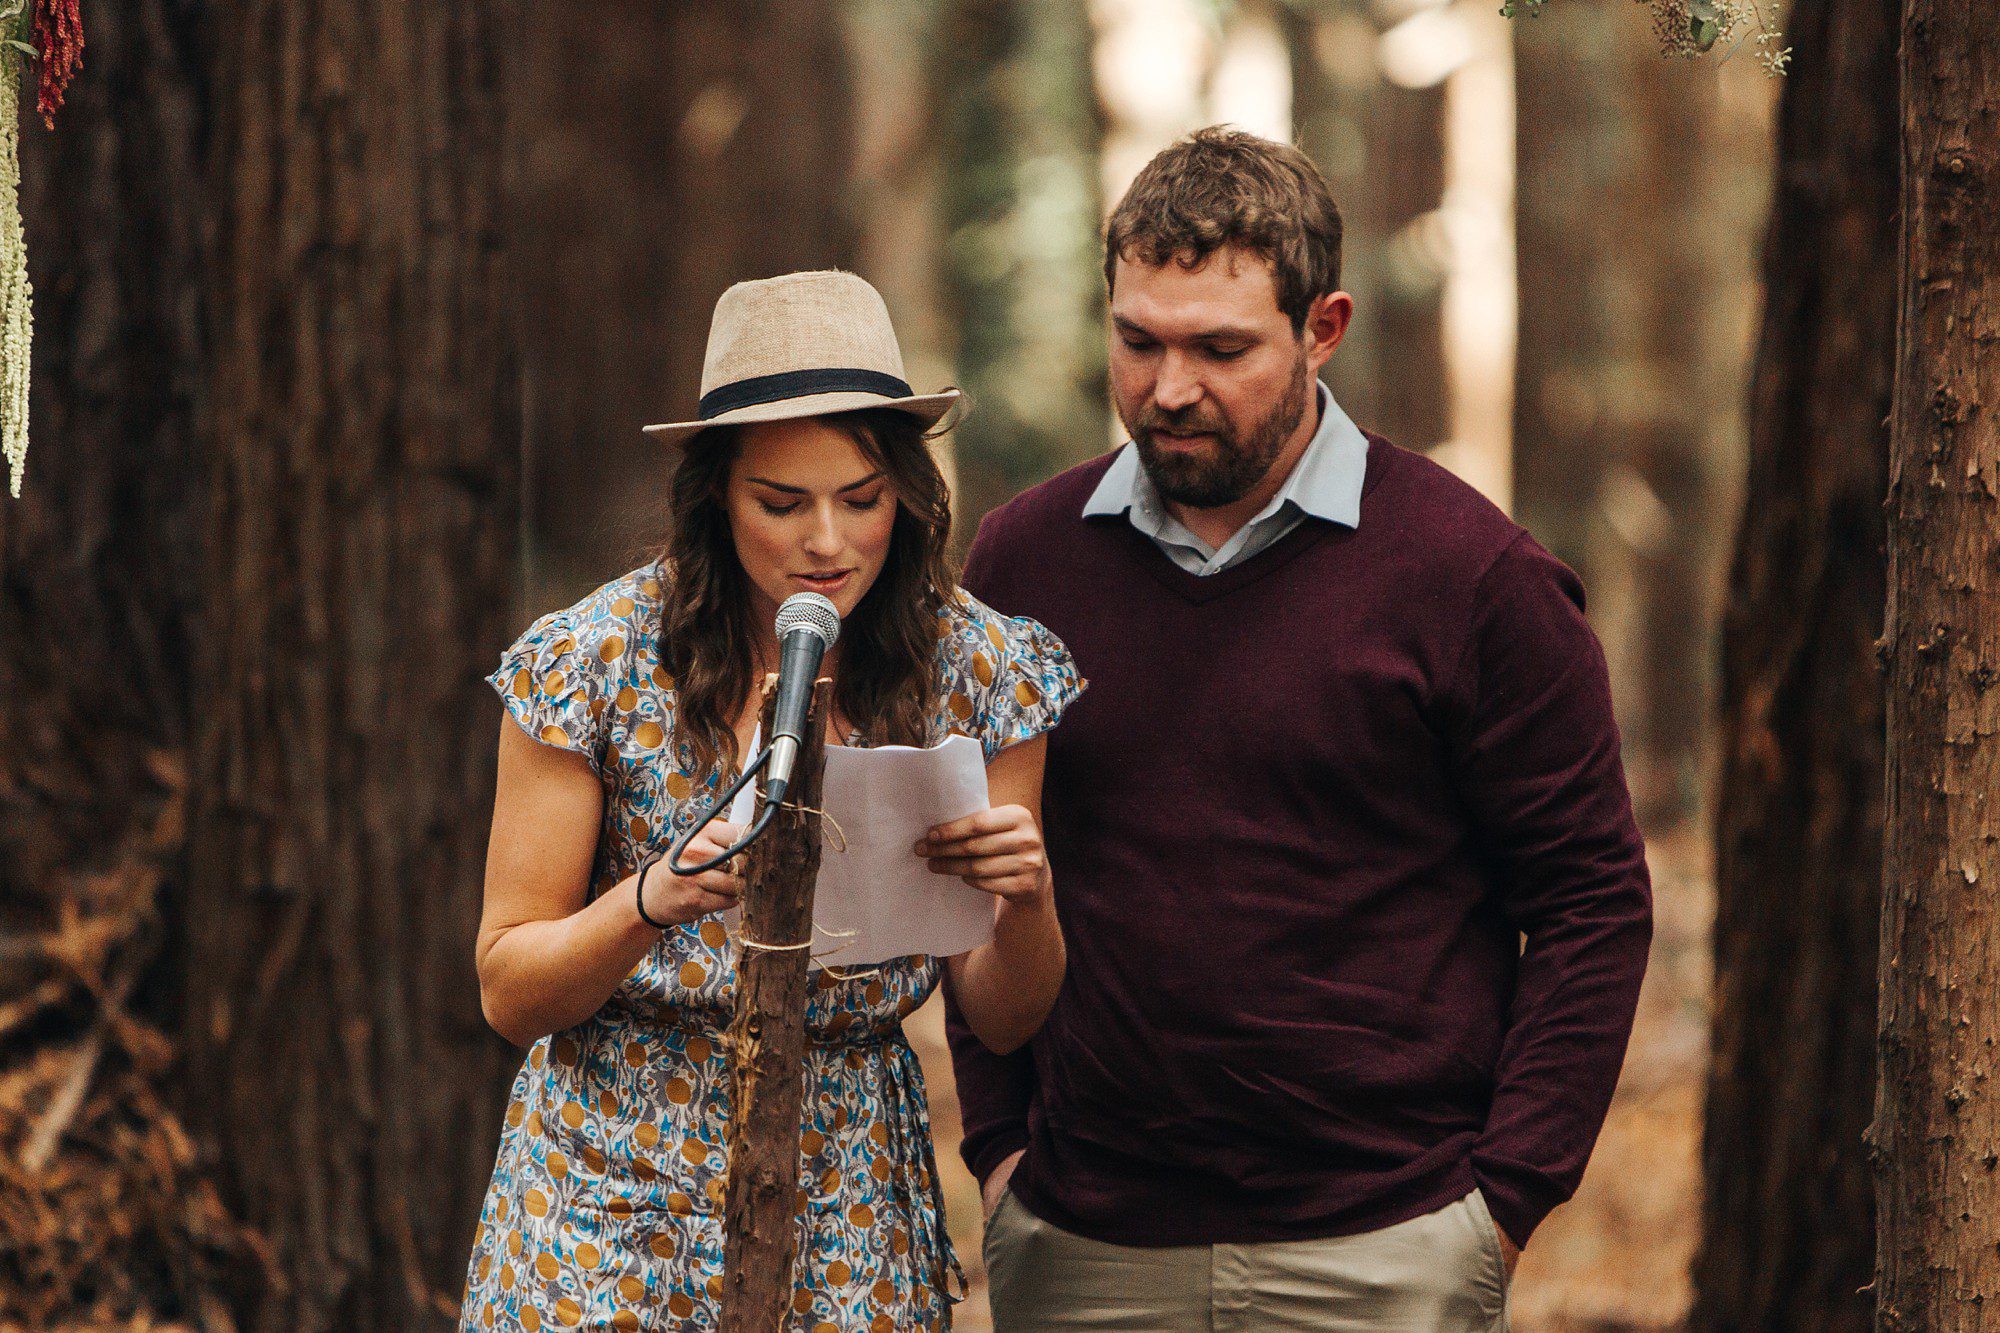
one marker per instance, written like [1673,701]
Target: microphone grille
[809,611]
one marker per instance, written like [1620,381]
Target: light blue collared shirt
[1326,483]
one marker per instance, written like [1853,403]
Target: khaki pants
[1439,1273]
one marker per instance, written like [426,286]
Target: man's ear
[1326,324]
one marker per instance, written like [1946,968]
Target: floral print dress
[605,1209]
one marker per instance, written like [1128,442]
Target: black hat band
[797,384]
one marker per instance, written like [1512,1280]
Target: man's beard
[1211,478]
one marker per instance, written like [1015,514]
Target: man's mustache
[1180,423]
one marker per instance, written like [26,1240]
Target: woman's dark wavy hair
[887,685]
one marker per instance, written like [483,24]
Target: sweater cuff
[993,1148]
[1518,1204]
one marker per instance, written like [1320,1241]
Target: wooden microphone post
[767,1042]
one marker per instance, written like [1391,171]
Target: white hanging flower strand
[16,299]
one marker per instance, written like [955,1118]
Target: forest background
[349,312]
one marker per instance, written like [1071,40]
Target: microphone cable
[716,806]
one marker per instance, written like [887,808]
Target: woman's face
[809,513]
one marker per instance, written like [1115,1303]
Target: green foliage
[1692,28]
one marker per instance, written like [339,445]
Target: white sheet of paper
[877,899]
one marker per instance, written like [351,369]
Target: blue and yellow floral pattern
[605,1208]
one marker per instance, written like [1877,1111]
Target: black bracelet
[639,900]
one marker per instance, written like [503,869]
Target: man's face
[1207,373]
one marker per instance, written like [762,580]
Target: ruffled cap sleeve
[553,686]
[1026,679]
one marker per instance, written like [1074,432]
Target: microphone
[808,624]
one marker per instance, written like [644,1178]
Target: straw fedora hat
[801,345]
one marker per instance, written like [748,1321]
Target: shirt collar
[1326,482]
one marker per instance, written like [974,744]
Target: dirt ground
[1614,1259]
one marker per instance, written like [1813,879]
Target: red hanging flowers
[59,44]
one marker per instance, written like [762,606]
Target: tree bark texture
[1937,1123]
[97,557]
[688,146]
[767,1044]
[1023,290]
[1787,1234]
[1381,148]
[363,483]
[113,1224]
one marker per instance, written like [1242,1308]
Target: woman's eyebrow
[800,490]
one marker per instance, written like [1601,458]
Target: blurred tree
[684,148]
[361,479]
[1625,412]
[894,185]
[282,503]
[105,1222]
[1381,146]
[1018,129]
[1937,1122]
[244,617]
[1798,838]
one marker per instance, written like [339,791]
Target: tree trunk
[767,1043]
[1563,174]
[1023,291]
[97,587]
[1625,415]
[1786,1239]
[97,557]
[686,147]
[361,577]
[1938,1111]
[895,186]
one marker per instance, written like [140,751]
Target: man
[1355,905]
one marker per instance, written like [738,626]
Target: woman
[809,469]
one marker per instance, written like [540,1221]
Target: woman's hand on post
[682,898]
[997,851]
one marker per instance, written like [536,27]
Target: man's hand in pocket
[996,1186]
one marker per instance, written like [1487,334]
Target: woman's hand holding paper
[998,851]
[1006,986]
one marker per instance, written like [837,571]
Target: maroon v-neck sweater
[1301,824]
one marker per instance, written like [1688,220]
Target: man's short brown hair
[1220,187]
